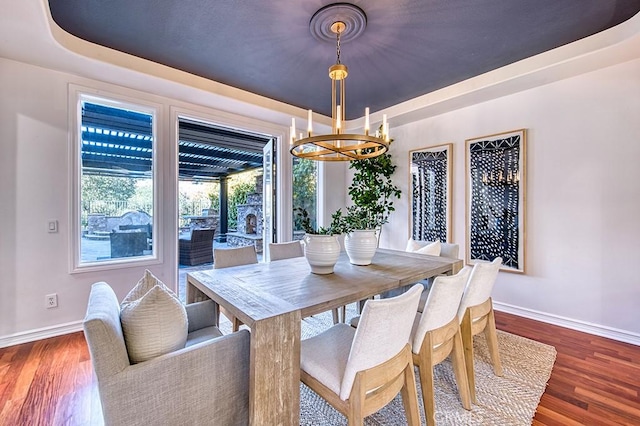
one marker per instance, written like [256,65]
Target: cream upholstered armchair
[476,316]
[436,335]
[207,382]
[360,371]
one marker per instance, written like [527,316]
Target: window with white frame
[115,182]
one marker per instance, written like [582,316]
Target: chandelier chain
[338,45]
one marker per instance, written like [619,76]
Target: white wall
[583,195]
[35,187]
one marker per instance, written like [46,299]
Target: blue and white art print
[496,199]
[431,193]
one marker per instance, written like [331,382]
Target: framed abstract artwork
[495,199]
[430,180]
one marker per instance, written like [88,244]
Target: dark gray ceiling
[409,47]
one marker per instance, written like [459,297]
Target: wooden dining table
[272,298]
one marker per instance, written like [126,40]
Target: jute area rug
[508,400]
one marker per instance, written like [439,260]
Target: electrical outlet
[51,301]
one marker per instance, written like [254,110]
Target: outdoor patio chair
[147,228]
[127,243]
[197,247]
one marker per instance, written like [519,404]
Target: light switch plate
[53,226]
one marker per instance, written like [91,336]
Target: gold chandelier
[339,146]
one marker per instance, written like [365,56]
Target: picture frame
[430,181]
[495,186]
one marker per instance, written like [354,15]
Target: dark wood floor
[595,381]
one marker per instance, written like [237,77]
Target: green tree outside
[108,195]
[304,190]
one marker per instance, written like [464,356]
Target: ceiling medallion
[339,22]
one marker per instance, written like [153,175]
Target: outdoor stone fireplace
[250,221]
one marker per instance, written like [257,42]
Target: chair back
[382,333]
[442,304]
[483,277]
[225,258]
[279,251]
[200,235]
[103,332]
[449,250]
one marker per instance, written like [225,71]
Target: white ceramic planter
[360,246]
[322,252]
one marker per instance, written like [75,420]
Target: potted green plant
[321,245]
[372,192]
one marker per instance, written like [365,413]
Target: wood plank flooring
[595,381]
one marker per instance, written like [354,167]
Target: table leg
[194,294]
[274,387]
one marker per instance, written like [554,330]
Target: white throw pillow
[155,322]
[412,245]
[432,249]
[146,283]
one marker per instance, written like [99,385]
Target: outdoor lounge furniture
[207,382]
[197,247]
[147,228]
[128,243]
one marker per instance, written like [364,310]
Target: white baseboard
[586,327]
[40,333]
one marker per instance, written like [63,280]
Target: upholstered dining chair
[448,250]
[476,315]
[288,250]
[291,249]
[436,335]
[359,371]
[226,258]
[237,256]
